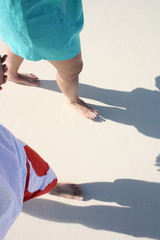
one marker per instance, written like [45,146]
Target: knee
[80,67]
[76,70]
[72,73]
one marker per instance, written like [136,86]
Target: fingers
[5,68]
[3,59]
[4,79]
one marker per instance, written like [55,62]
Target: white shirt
[12,179]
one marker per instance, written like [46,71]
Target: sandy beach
[116,157]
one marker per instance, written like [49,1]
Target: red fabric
[28,195]
[41,168]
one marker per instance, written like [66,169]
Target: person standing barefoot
[48,30]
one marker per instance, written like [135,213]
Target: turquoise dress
[42,29]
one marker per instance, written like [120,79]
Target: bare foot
[84,109]
[25,79]
[67,190]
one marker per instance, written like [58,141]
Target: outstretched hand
[3,70]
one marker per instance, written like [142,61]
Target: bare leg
[67,190]
[68,80]
[13,63]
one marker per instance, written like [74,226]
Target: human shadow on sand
[137,213]
[158,162]
[139,108]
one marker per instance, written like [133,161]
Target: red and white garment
[40,177]
[23,175]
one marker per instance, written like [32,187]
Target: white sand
[114,158]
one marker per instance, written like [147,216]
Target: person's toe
[33,76]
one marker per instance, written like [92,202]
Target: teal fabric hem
[62,55]
[44,29]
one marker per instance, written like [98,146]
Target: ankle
[12,75]
[73,100]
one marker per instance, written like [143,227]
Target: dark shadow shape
[158,162]
[157,82]
[137,215]
[139,108]
[49,85]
